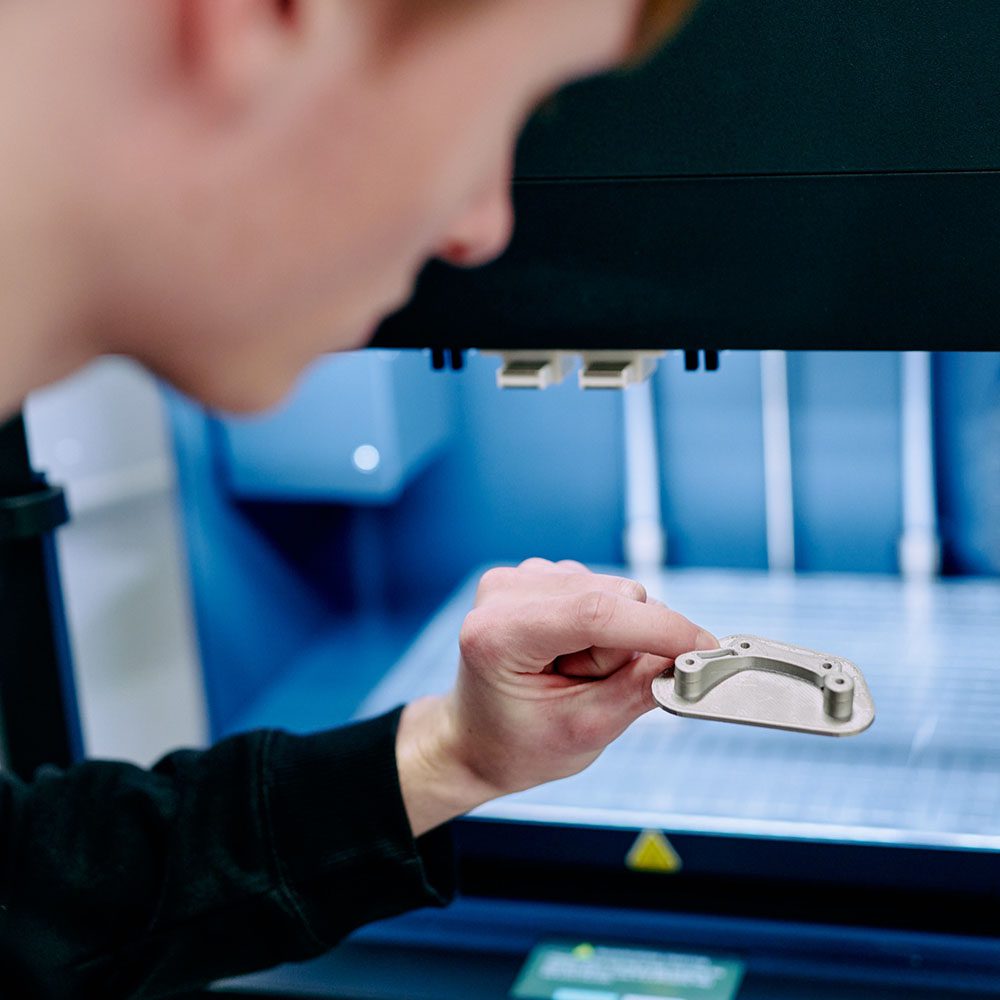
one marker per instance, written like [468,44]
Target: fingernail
[706,640]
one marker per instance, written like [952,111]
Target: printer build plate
[926,774]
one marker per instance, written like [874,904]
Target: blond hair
[659,20]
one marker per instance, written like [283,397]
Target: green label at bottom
[583,971]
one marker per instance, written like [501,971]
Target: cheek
[359,232]
[340,222]
[431,150]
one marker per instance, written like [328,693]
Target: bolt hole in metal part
[761,682]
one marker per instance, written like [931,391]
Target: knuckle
[496,578]
[595,610]
[476,636]
[535,563]
[632,590]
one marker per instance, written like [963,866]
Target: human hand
[556,663]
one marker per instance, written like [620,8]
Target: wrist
[436,781]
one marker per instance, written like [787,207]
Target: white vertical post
[645,538]
[779,498]
[919,546]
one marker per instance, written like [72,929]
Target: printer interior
[781,238]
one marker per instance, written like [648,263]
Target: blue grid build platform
[926,774]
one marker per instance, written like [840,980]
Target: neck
[40,316]
[39,322]
[42,304]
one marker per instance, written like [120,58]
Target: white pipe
[779,498]
[919,546]
[645,538]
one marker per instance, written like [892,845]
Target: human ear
[232,49]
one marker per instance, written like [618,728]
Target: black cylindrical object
[39,723]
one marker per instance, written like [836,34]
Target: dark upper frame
[792,174]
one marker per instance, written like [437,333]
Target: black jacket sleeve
[119,882]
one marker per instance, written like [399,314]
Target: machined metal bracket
[533,369]
[617,370]
[598,369]
[759,682]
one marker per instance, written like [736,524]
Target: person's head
[254,182]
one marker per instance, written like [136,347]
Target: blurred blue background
[328,532]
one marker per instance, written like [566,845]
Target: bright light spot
[367,458]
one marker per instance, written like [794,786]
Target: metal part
[617,370]
[533,369]
[759,682]
[598,369]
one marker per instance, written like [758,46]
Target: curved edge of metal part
[698,673]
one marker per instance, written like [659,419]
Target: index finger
[536,634]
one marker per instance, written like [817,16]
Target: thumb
[626,695]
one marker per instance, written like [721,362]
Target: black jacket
[118,882]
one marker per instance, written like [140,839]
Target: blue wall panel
[968,454]
[387,403]
[254,611]
[846,448]
[712,455]
[526,473]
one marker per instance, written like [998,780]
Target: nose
[482,232]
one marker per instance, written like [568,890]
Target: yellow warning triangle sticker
[652,852]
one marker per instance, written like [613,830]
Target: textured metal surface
[928,773]
[760,682]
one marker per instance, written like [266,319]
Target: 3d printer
[799,202]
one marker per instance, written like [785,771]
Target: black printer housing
[789,174]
